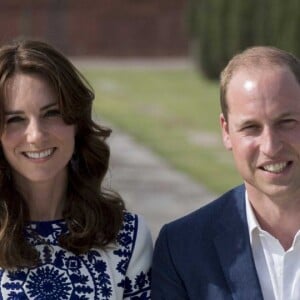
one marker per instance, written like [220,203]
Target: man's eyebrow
[291,114]
[246,122]
[288,114]
[20,112]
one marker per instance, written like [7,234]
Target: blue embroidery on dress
[62,275]
[127,239]
[48,282]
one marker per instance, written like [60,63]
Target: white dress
[119,272]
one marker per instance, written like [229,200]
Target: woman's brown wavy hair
[92,214]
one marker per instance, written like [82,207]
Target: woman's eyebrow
[48,106]
[13,112]
[18,112]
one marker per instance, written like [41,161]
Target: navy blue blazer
[207,254]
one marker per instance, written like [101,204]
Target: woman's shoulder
[132,221]
[134,229]
[134,250]
[134,241]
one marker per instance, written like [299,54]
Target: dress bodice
[118,272]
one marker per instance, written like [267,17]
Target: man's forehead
[263,86]
[247,77]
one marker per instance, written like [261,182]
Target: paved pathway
[149,185]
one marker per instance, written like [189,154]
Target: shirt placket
[275,256]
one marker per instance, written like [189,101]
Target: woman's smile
[38,155]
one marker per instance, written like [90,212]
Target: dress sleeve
[138,271]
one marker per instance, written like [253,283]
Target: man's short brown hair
[255,57]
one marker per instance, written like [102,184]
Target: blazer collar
[234,249]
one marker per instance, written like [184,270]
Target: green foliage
[221,28]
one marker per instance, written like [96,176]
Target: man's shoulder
[208,215]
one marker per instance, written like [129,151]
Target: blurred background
[106,28]
[154,65]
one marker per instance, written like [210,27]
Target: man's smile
[276,167]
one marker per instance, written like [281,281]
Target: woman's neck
[45,200]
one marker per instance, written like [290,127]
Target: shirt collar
[253,224]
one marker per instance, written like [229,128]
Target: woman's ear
[225,132]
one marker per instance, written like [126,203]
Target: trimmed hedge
[221,28]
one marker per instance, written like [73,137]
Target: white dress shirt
[278,270]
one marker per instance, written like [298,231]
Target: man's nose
[271,143]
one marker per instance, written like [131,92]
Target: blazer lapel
[234,250]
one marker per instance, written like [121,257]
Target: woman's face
[36,142]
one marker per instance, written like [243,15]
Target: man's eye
[251,127]
[288,122]
[52,113]
[14,119]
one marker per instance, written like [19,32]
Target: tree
[221,28]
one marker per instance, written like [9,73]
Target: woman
[61,235]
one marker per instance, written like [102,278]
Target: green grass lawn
[174,112]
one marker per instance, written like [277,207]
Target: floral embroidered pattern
[48,283]
[126,238]
[62,275]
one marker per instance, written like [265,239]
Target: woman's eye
[52,113]
[14,119]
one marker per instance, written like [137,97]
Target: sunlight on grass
[175,112]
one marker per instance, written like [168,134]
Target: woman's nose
[35,131]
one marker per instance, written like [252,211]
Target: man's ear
[225,132]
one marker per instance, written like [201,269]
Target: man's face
[263,130]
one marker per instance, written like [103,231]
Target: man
[246,244]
